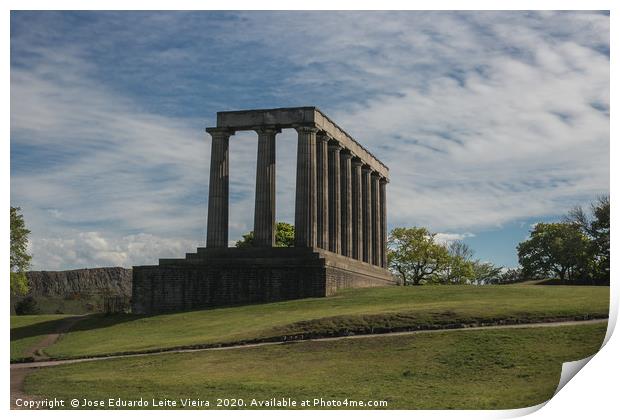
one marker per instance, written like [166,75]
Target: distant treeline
[573,251]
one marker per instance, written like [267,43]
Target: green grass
[357,310]
[28,330]
[475,369]
[62,305]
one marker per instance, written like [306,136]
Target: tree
[460,268]
[461,249]
[486,272]
[414,255]
[511,275]
[285,236]
[559,249]
[600,231]
[463,269]
[597,228]
[20,259]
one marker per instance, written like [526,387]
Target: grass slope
[357,310]
[464,369]
[28,330]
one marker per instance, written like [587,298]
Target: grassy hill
[463,369]
[349,312]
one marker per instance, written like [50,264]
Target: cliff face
[106,281]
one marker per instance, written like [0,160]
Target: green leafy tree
[285,236]
[463,269]
[600,231]
[20,259]
[597,228]
[511,275]
[559,249]
[486,272]
[415,256]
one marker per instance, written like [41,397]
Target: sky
[488,121]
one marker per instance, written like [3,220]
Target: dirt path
[17,385]
[37,352]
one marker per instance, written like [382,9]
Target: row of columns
[340,202]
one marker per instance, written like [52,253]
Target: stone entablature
[292,118]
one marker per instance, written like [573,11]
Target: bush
[27,306]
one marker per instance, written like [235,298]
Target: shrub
[27,306]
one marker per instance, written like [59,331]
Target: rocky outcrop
[105,281]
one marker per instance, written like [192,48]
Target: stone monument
[340,222]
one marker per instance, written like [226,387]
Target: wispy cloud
[483,118]
[448,237]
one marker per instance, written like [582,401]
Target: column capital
[306,129]
[267,130]
[322,136]
[375,174]
[383,180]
[356,161]
[366,168]
[334,146]
[346,153]
[220,131]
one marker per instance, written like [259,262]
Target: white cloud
[94,249]
[483,119]
[447,238]
[522,139]
[122,168]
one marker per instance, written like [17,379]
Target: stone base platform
[214,277]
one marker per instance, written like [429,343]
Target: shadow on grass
[89,322]
[579,282]
[100,320]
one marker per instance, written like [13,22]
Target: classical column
[356,213]
[366,215]
[376,219]
[217,216]
[382,197]
[346,224]
[322,214]
[265,200]
[334,198]
[305,193]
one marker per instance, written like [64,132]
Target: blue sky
[489,121]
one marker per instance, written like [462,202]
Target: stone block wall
[178,285]
[178,288]
[338,278]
